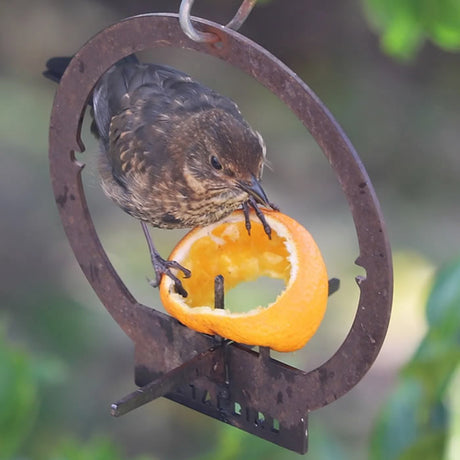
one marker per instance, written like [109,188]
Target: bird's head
[225,157]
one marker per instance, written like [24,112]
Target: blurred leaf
[415,418]
[405,24]
[453,401]
[397,423]
[427,447]
[18,397]
[443,303]
[439,353]
[434,375]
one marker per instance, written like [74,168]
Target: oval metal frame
[361,346]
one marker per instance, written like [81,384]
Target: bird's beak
[254,189]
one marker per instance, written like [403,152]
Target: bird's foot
[251,203]
[163,267]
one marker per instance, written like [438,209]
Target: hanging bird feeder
[227,381]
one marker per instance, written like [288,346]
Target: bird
[173,152]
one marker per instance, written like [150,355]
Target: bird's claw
[173,264]
[247,220]
[163,267]
[253,204]
[273,206]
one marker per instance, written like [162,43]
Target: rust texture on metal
[258,394]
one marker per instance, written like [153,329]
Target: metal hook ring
[205,37]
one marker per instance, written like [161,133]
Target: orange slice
[225,248]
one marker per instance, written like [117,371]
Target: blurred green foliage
[23,378]
[405,24]
[18,397]
[415,422]
[98,448]
[232,444]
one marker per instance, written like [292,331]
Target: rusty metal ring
[150,329]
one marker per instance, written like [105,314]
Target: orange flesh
[231,252]
[225,248]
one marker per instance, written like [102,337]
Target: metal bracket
[262,396]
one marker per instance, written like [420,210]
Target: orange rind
[226,249]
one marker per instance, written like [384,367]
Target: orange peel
[225,248]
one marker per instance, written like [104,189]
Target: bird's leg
[247,220]
[162,266]
[252,202]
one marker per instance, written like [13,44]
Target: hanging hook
[205,37]
[242,14]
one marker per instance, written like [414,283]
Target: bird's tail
[55,67]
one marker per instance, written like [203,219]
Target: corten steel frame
[230,382]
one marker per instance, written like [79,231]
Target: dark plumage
[174,153]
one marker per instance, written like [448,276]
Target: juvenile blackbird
[174,153]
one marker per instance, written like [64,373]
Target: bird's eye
[215,163]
